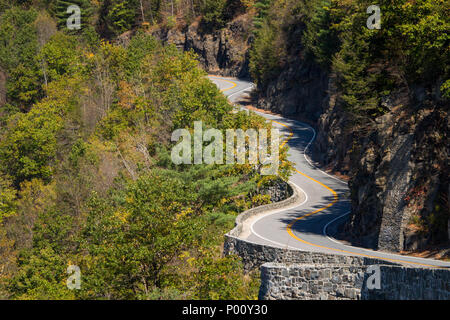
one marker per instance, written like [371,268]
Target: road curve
[307,226]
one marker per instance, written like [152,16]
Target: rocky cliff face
[399,170]
[299,91]
[398,163]
[223,52]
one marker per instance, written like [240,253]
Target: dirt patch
[436,253]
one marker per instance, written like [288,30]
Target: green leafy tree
[132,243]
[60,56]
[18,50]
[30,143]
[320,37]
[7,199]
[223,279]
[41,275]
[109,199]
[265,56]
[213,14]
[42,269]
[117,16]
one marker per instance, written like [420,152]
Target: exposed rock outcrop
[223,52]
[351,282]
[299,91]
[278,190]
[397,163]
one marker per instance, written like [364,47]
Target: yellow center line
[335,196]
[234,84]
[291,133]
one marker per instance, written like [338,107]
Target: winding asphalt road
[308,225]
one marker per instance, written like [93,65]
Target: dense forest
[86,176]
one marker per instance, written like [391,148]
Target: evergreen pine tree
[263,7]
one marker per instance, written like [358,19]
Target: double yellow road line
[233,84]
[335,200]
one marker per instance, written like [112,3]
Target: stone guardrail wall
[337,282]
[240,219]
[405,283]
[296,274]
[254,255]
[310,282]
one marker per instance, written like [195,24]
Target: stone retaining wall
[254,255]
[296,274]
[404,283]
[310,281]
[338,282]
[240,219]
